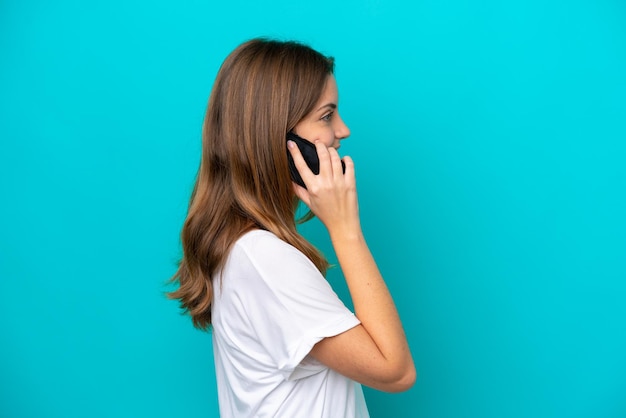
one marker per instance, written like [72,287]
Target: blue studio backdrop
[489,141]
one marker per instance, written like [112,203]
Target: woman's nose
[342,131]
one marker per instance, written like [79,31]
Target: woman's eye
[327,116]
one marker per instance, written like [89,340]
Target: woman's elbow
[401,382]
[407,381]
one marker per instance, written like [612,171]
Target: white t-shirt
[270,308]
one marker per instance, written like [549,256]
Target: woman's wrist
[345,234]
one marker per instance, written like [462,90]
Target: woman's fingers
[322,154]
[349,166]
[330,161]
[335,161]
[298,160]
[330,167]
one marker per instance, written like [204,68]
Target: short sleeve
[289,304]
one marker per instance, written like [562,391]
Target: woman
[284,344]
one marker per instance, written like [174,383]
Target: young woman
[284,344]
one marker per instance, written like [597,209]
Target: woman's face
[323,123]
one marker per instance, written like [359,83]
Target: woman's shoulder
[265,247]
[258,238]
[263,242]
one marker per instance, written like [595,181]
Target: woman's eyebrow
[331,105]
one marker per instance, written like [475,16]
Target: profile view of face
[323,123]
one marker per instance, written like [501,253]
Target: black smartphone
[309,153]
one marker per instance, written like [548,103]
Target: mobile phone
[309,153]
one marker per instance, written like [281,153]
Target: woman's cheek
[329,139]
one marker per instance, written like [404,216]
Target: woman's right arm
[375,353]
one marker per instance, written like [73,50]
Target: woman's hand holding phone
[331,195]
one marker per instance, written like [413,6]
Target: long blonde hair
[263,89]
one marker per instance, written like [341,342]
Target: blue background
[489,139]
